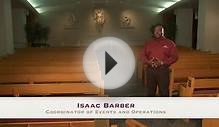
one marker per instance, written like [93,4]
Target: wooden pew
[139,68]
[134,123]
[200,67]
[46,57]
[47,72]
[179,76]
[89,123]
[54,123]
[114,125]
[46,84]
[42,78]
[40,69]
[40,63]
[34,69]
[200,87]
[81,89]
[210,123]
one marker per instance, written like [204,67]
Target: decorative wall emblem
[72,19]
[99,19]
[125,21]
[71,22]
[99,16]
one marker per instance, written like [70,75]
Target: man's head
[158,31]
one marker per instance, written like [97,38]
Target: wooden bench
[39,63]
[180,76]
[210,123]
[88,123]
[200,87]
[47,72]
[197,67]
[71,89]
[134,123]
[41,71]
[190,63]
[54,123]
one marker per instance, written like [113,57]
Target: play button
[109,63]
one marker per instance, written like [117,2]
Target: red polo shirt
[161,48]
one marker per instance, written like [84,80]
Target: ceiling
[50,5]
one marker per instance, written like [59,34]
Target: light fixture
[40,10]
[167,5]
[35,4]
[159,9]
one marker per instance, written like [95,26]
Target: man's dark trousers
[158,76]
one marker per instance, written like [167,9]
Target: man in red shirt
[159,53]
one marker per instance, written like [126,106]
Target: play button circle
[109,63]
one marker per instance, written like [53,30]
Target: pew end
[200,87]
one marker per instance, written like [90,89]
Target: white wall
[6,30]
[208,26]
[19,21]
[2,33]
[85,31]
[8,27]
[184,22]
